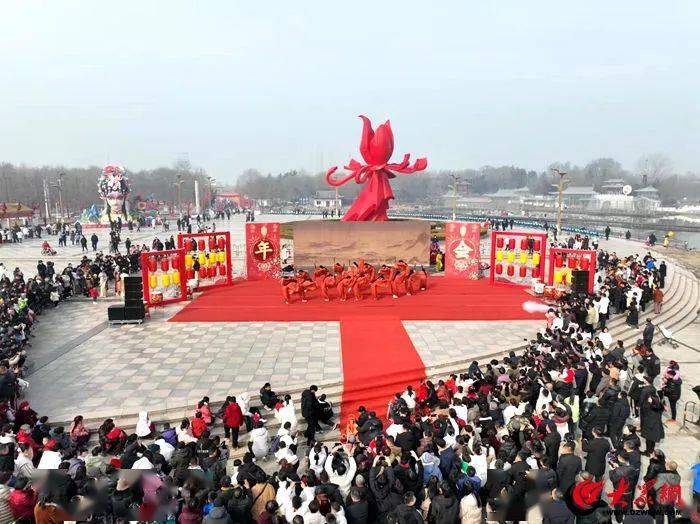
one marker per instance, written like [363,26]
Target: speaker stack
[579,282]
[133,309]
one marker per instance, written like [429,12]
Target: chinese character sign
[462,255]
[262,250]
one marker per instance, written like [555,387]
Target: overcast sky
[278,85]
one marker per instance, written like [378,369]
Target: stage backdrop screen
[326,242]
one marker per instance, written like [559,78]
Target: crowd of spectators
[507,440]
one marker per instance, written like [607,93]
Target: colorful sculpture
[376,148]
[113,188]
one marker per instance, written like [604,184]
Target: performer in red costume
[301,284]
[417,281]
[401,274]
[345,284]
[362,282]
[382,282]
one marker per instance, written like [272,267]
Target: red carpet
[379,358]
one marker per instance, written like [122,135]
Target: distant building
[577,195]
[648,192]
[328,200]
[613,186]
[510,195]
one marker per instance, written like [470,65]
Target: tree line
[654,170]
[78,185]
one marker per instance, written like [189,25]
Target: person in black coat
[357,510]
[650,409]
[624,475]
[648,333]
[555,511]
[596,450]
[309,410]
[618,417]
[552,441]
[370,429]
[568,467]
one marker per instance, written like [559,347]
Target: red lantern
[535,272]
[222,270]
[189,244]
[523,244]
[536,245]
[222,243]
[201,245]
[175,261]
[585,263]
[511,271]
[212,243]
[190,274]
[499,242]
[164,264]
[558,261]
[152,264]
[523,271]
[511,244]
[212,271]
[572,262]
[499,269]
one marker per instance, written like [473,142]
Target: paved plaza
[80,364]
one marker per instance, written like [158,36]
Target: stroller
[668,337]
[46,249]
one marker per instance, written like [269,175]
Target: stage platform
[445,299]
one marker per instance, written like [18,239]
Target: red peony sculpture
[376,148]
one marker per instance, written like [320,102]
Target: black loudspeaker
[134,313]
[115,312]
[133,291]
[579,281]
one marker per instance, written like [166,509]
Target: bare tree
[655,166]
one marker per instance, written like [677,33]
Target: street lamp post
[560,190]
[59,184]
[455,181]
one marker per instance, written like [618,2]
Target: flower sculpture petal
[376,148]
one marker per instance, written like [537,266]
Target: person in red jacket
[233,418]
[198,425]
[22,500]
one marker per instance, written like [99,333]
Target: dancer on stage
[360,279]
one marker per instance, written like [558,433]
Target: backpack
[275,444]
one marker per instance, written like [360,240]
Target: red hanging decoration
[536,245]
[499,269]
[222,243]
[523,244]
[189,244]
[572,262]
[164,264]
[222,270]
[499,242]
[523,271]
[190,273]
[558,261]
[152,264]
[511,244]
[212,243]
[585,263]
[201,245]
[175,261]
[511,271]
[535,272]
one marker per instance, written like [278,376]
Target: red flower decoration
[376,148]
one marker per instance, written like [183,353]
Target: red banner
[462,255]
[262,250]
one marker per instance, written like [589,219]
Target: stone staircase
[682,299]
